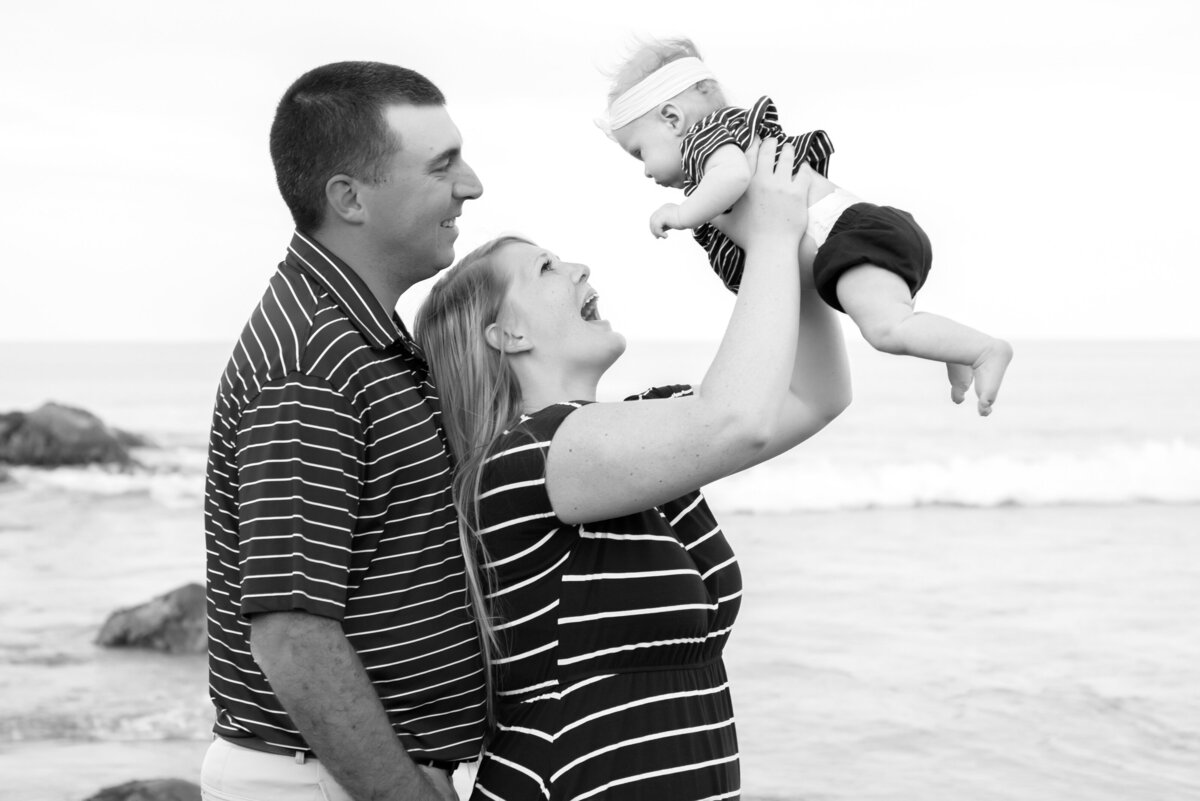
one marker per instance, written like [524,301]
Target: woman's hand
[776,203]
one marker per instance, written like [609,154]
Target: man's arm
[322,685]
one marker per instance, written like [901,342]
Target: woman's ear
[505,341]
[341,193]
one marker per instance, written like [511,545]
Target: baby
[667,111]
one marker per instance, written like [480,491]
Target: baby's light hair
[647,55]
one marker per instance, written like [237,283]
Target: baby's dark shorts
[870,234]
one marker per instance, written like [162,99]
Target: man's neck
[380,277]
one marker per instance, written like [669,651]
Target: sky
[1048,148]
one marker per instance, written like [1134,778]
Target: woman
[605,588]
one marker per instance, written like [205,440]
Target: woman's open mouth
[590,310]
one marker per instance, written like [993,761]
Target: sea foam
[1152,471]
[1146,472]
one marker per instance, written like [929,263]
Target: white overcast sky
[1049,148]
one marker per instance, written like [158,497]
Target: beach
[920,653]
[935,607]
[950,653]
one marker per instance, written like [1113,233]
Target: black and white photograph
[540,401]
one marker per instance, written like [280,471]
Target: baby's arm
[726,176]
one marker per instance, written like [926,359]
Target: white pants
[233,773]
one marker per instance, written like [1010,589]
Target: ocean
[937,606]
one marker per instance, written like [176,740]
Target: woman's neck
[539,393]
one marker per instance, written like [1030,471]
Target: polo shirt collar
[381,329]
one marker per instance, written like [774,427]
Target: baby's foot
[960,380]
[989,372]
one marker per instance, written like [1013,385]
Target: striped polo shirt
[329,492]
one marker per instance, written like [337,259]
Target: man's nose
[467,185]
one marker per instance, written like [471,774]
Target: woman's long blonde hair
[480,399]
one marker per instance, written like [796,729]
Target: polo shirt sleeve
[300,451]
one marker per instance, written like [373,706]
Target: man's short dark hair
[331,121]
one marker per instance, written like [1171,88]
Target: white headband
[657,87]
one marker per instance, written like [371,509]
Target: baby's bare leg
[881,306]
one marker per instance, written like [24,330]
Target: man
[342,656]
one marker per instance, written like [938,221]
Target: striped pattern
[736,126]
[611,683]
[329,493]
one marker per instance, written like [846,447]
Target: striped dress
[611,683]
[736,126]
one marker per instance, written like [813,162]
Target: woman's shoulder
[532,432]
[544,421]
[524,444]
[527,441]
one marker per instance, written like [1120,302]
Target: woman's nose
[582,272]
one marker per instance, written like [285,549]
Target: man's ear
[342,195]
[672,115]
[505,341]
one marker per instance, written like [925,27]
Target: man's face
[410,214]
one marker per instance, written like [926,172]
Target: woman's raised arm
[820,387]
[609,459]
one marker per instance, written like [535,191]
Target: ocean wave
[1148,472]
[177,723]
[173,477]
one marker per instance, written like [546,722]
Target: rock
[150,790]
[174,623]
[54,435]
[130,439]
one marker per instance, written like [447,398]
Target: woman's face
[551,310]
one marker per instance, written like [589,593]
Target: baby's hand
[663,220]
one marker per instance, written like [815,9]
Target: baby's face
[652,142]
